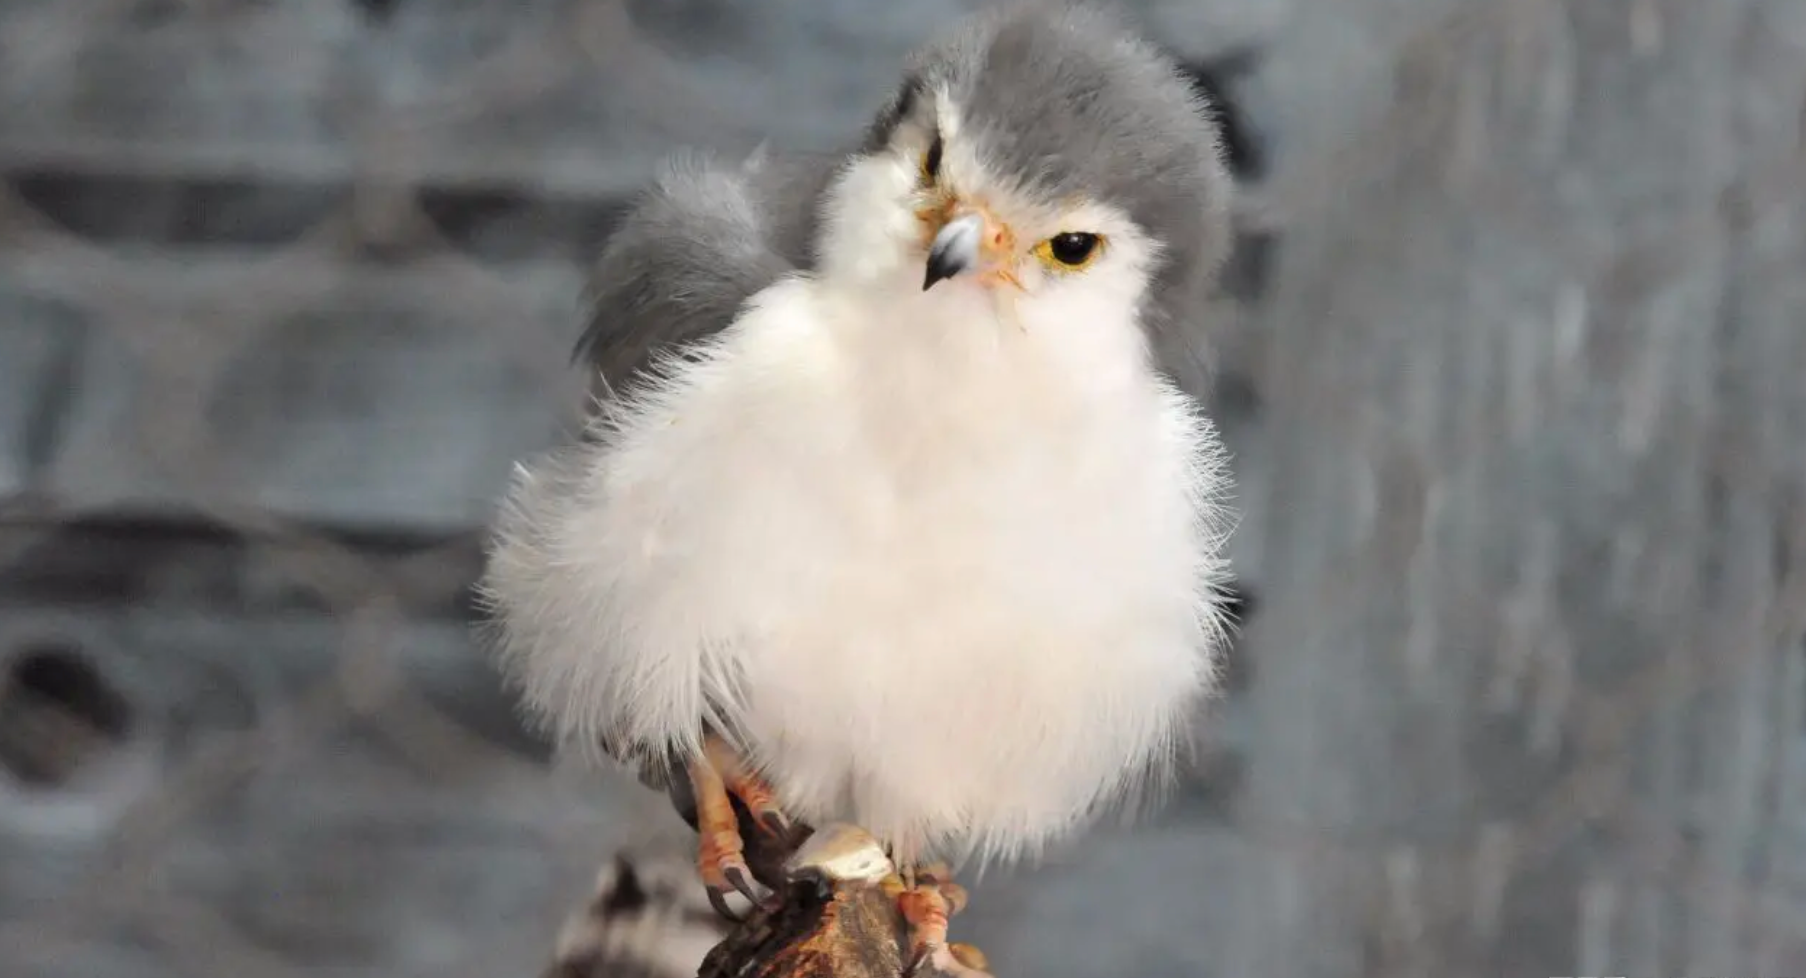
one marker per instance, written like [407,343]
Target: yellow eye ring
[1070,251]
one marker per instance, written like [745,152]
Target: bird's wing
[705,237]
[700,241]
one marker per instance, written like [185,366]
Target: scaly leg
[753,792]
[929,899]
[716,778]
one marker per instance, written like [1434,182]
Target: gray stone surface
[41,345]
[555,93]
[304,388]
[1537,455]
[260,822]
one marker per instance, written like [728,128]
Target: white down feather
[951,573]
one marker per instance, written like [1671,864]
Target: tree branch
[648,917]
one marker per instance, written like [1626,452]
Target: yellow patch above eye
[1070,251]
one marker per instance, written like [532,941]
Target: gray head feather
[1064,98]
[1059,95]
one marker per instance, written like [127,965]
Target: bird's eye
[1070,250]
[931,161]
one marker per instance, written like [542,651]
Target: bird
[889,508]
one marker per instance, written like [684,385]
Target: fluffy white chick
[889,513]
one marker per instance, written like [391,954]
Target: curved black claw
[917,960]
[780,826]
[718,900]
[738,879]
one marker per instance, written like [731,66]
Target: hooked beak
[970,241]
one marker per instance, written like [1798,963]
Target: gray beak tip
[955,249]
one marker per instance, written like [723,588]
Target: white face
[927,201]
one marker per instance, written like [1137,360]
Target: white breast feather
[965,600]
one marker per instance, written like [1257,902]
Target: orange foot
[716,778]
[929,899]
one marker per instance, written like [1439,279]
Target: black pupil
[933,163]
[1073,247]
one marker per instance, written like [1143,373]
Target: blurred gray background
[1513,363]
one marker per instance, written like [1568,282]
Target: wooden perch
[831,918]
[849,932]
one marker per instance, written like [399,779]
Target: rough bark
[647,918]
[853,932]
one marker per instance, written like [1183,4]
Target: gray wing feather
[699,242]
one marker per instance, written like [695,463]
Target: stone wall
[1511,367]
